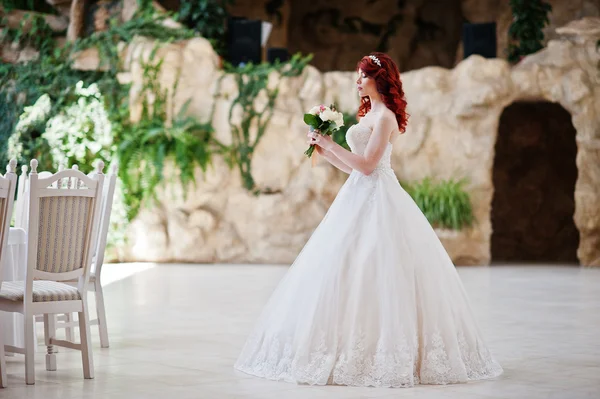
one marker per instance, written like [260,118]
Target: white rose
[339,119]
[315,110]
[327,115]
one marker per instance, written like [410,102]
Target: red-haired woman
[373,298]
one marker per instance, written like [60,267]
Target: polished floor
[176,330]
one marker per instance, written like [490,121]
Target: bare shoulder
[386,120]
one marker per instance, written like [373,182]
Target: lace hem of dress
[384,365]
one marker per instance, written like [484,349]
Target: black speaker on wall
[480,39]
[277,53]
[244,41]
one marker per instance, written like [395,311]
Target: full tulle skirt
[373,299]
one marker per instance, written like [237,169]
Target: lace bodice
[358,137]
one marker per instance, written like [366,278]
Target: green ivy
[52,73]
[251,81]
[43,92]
[22,84]
[144,146]
[38,35]
[445,203]
[37,97]
[526,31]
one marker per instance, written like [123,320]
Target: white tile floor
[176,330]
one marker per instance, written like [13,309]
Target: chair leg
[50,333]
[37,319]
[86,342]
[3,379]
[29,350]
[69,330]
[101,312]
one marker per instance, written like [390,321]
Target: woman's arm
[377,144]
[335,161]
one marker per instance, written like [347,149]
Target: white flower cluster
[32,115]
[327,114]
[83,128]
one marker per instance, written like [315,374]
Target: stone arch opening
[534,179]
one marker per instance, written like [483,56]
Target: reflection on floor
[176,330]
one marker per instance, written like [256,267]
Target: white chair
[21,217]
[7,198]
[21,221]
[67,321]
[21,201]
[95,277]
[20,206]
[62,232]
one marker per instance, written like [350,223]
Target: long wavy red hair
[389,86]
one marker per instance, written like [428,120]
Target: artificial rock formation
[451,134]
[416,33]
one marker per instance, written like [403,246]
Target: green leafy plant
[146,23]
[50,84]
[52,73]
[526,34]
[22,84]
[27,141]
[145,146]
[252,80]
[208,18]
[445,203]
[33,32]
[80,133]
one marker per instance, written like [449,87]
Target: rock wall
[451,134]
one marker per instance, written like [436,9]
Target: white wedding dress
[372,300]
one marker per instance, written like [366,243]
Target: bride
[373,298]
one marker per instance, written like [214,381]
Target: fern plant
[145,146]
[445,203]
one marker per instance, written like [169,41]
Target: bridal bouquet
[324,120]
